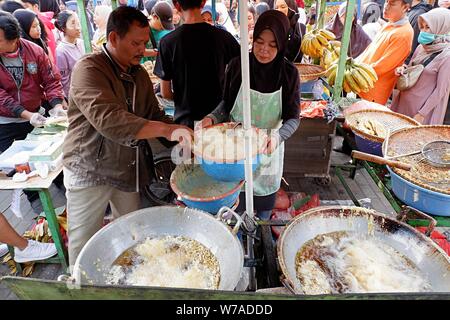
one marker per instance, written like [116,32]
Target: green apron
[266,110]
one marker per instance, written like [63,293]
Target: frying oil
[345,262]
[169,261]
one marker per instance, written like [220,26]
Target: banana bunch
[330,54]
[335,47]
[358,77]
[314,42]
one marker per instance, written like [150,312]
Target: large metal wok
[99,253]
[420,249]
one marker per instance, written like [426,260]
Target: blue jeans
[264,215]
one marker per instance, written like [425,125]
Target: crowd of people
[112,106]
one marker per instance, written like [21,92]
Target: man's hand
[206,122]
[37,120]
[182,134]
[58,111]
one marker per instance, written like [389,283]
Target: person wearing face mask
[418,7]
[359,40]
[71,48]
[388,50]
[275,97]
[427,100]
[296,30]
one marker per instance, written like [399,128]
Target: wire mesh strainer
[426,149]
[437,153]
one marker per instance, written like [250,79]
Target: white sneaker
[35,251]
[3,250]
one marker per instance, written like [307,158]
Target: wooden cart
[308,151]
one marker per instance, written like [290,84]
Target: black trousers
[13,131]
[262,205]
[8,134]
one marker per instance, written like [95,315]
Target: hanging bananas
[358,77]
[315,41]
[330,54]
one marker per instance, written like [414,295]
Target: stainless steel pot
[420,249]
[99,253]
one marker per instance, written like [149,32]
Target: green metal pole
[114,5]
[346,186]
[344,49]
[84,26]
[321,14]
[213,7]
[53,225]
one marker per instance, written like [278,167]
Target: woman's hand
[419,118]
[400,70]
[206,122]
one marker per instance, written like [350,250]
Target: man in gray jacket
[112,105]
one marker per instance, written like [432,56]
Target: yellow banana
[351,82]
[327,34]
[370,71]
[335,43]
[360,80]
[331,69]
[331,74]
[315,43]
[366,76]
[346,87]
[332,77]
[327,57]
[306,46]
[322,40]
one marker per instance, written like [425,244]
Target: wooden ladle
[380,160]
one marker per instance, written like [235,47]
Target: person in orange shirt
[389,50]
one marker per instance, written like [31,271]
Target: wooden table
[41,186]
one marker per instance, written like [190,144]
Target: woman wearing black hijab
[296,30]
[31,26]
[11,6]
[275,99]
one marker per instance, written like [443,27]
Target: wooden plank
[54,290]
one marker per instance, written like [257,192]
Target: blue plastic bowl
[227,171]
[198,190]
[425,200]
[368,146]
